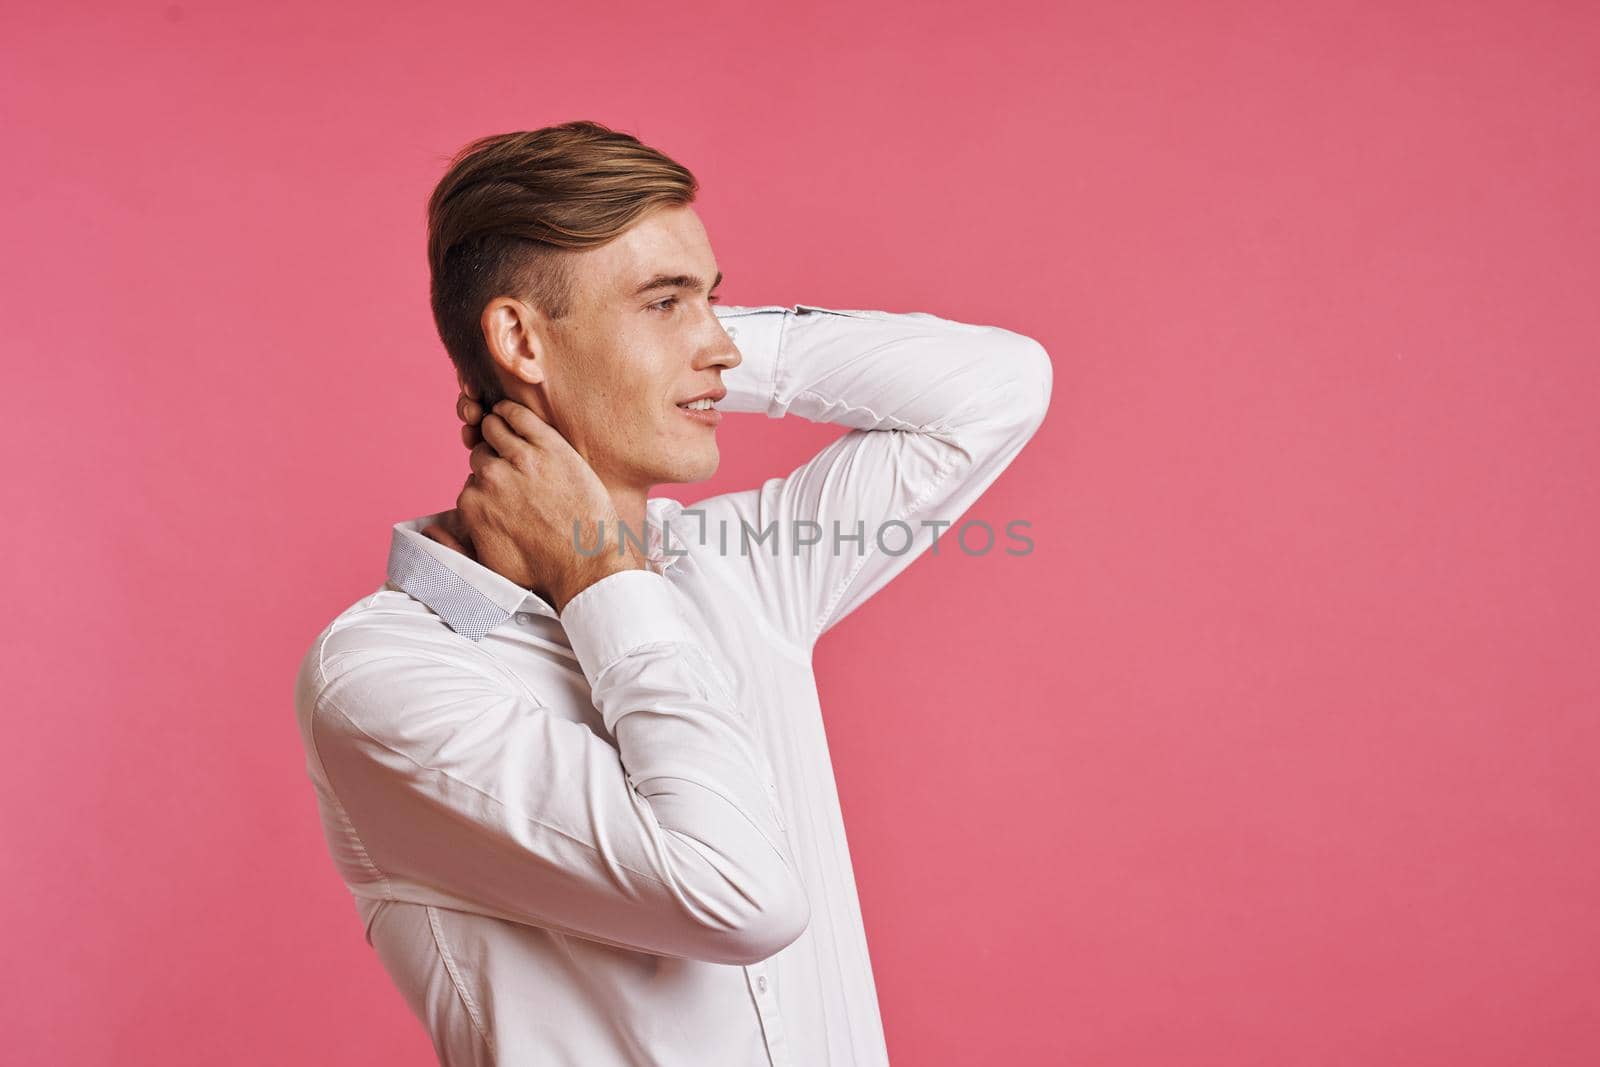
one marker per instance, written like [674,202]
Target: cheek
[624,415]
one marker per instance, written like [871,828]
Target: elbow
[778,926]
[1020,377]
[773,922]
[736,894]
[1035,376]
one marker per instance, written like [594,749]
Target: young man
[569,758]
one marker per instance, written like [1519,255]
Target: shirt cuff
[618,614]
[757,332]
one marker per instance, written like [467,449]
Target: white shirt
[612,836]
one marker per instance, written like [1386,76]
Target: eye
[672,300]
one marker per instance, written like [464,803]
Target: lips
[714,395]
[709,417]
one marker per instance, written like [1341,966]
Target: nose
[724,352]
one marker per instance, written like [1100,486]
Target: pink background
[1280,748]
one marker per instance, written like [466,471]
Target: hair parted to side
[511,209]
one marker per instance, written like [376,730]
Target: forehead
[665,242]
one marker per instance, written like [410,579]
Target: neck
[630,504]
[630,507]
[628,499]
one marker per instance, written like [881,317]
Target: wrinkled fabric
[612,835]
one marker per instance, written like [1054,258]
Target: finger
[455,527]
[470,390]
[444,537]
[470,436]
[527,424]
[456,523]
[502,438]
[468,410]
[482,456]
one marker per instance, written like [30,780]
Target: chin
[701,473]
[695,468]
[684,467]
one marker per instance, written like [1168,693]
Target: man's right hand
[528,486]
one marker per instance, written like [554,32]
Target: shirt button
[733,331]
[761,983]
[525,618]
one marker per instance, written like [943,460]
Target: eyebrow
[675,281]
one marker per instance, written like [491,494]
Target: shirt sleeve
[463,792]
[936,409]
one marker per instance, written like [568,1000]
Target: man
[569,759]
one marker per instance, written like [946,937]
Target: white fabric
[613,836]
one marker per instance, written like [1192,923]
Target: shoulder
[384,663]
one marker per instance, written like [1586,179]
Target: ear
[514,334]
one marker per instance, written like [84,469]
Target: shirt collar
[471,598]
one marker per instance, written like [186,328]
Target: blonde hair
[511,209]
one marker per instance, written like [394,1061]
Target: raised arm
[463,792]
[937,409]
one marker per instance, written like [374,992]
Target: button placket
[771,1019]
